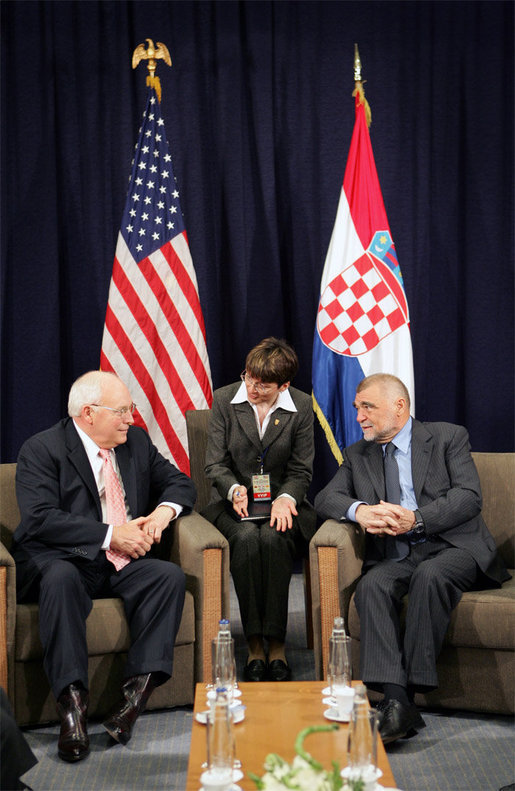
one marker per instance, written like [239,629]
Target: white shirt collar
[90,446]
[402,440]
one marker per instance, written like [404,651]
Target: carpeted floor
[457,751]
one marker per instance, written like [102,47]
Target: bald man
[414,490]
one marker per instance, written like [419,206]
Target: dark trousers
[16,757]
[434,575]
[152,592]
[261,561]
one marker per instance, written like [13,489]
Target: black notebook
[261,509]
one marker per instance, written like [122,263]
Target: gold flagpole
[358,85]
[152,54]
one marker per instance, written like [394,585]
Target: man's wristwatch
[417,534]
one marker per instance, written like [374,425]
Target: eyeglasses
[120,411]
[261,388]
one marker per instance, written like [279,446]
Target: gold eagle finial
[152,54]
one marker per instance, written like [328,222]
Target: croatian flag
[362,323]
[154,337]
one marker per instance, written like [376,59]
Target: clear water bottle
[339,669]
[223,663]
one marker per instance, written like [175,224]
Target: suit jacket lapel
[279,420]
[247,420]
[79,459]
[373,459]
[421,450]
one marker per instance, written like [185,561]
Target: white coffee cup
[344,696]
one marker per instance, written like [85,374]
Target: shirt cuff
[107,539]
[231,491]
[177,508]
[285,494]
[351,512]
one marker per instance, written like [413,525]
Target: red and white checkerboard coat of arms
[365,302]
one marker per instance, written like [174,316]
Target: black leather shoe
[380,708]
[399,720]
[136,691]
[255,670]
[72,709]
[279,670]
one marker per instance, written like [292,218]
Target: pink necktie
[115,502]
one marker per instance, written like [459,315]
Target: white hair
[389,383]
[87,389]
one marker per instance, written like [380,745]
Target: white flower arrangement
[304,773]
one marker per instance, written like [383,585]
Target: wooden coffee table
[276,712]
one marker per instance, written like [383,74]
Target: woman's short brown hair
[272,360]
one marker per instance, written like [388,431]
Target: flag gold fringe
[155,83]
[360,91]
[335,450]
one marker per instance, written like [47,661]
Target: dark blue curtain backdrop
[259,115]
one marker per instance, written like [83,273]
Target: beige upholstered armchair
[476,668]
[194,544]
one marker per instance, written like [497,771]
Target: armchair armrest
[202,552]
[7,616]
[336,554]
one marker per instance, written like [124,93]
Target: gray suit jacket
[58,498]
[446,486]
[234,446]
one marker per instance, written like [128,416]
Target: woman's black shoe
[279,670]
[255,670]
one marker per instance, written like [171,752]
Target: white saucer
[236,776]
[234,787]
[238,715]
[326,691]
[332,714]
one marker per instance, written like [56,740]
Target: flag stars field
[154,336]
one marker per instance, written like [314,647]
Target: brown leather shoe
[136,691]
[72,709]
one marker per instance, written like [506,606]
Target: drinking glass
[223,664]
[220,745]
[362,747]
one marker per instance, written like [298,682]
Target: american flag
[154,337]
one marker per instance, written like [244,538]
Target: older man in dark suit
[95,495]
[413,488]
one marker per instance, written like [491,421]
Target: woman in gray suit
[260,456]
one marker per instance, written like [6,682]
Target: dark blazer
[234,446]
[58,498]
[446,486]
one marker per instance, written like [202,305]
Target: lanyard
[261,458]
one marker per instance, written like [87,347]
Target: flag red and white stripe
[154,336]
